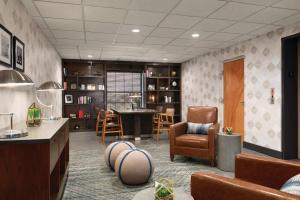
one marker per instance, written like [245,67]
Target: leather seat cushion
[192,140]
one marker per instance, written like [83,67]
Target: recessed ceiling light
[165,59]
[90,56]
[195,35]
[135,30]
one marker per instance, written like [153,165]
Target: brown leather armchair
[256,178]
[195,145]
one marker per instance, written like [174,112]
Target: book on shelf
[84,100]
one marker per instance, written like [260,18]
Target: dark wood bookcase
[163,87]
[78,72]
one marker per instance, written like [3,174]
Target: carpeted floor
[90,178]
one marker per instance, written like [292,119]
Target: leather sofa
[195,145]
[256,178]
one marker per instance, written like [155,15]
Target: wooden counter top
[136,111]
[43,133]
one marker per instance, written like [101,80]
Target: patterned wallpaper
[203,84]
[42,63]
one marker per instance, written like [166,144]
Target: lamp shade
[50,85]
[13,78]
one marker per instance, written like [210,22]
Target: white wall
[203,84]
[42,62]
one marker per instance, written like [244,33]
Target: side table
[228,146]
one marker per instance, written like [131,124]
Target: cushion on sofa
[192,140]
[292,186]
[198,128]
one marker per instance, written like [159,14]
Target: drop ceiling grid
[167,15]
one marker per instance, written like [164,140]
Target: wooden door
[234,96]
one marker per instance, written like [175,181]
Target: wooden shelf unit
[162,77]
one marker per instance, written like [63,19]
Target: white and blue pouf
[113,150]
[134,167]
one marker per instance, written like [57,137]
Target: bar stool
[99,122]
[112,123]
[159,110]
[165,120]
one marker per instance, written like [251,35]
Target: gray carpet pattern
[90,178]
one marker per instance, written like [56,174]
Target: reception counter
[35,166]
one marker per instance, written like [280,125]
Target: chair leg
[97,128]
[103,132]
[212,162]
[121,127]
[172,157]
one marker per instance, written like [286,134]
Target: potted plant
[228,130]
[164,190]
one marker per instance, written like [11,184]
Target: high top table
[137,114]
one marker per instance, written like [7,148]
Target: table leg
[137,127]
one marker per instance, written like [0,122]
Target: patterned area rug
[90,178]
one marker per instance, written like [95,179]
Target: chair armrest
[175,131]
[214,187]
[266,171]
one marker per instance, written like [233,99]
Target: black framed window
[121,85]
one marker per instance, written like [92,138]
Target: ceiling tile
[290,4]
[222,37]
[103,37]
[235,11]
[174,49]
[200,8]
[85,54]
[265,29]
[97,44]
[207,44]
[202,34]
[67,1]
[167,32]
[101,14]
[270,15]
[258,2]
[40,22]
[69,42]
[31,7]
[144,30]
[182,42]
[157,40]
[293,19]
[143,18]
[213,25]
[68,34]
[62,24]
[178,21]
[242,38]
[108,3]
[59,10]
[243,27]
[101,27]
[130,38]
[153,5]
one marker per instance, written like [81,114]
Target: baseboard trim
[264,150]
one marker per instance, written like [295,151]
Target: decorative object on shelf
[101,87]
[162,88]
[76,127]
[5,46]
[169,99]
[73,86]
[164,189]
[174,83]
[113,151]
[65,72]
[12,133]
[19,54]
[33,116]
[167,88]
[134,166]
[84,100]
[68,98]
[173,73]
[228,130]
[152,98]
[91,87]
[151,87]
[73,115]
[13,78]
[82,86]
[80,114]
[65,85]
[49,86]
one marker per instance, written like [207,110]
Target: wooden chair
[99,122]
[112,123]
[165,120]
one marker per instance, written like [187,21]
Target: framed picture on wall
[5,47]
[19,54]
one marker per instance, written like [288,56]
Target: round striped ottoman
[113,150]
[134,167]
